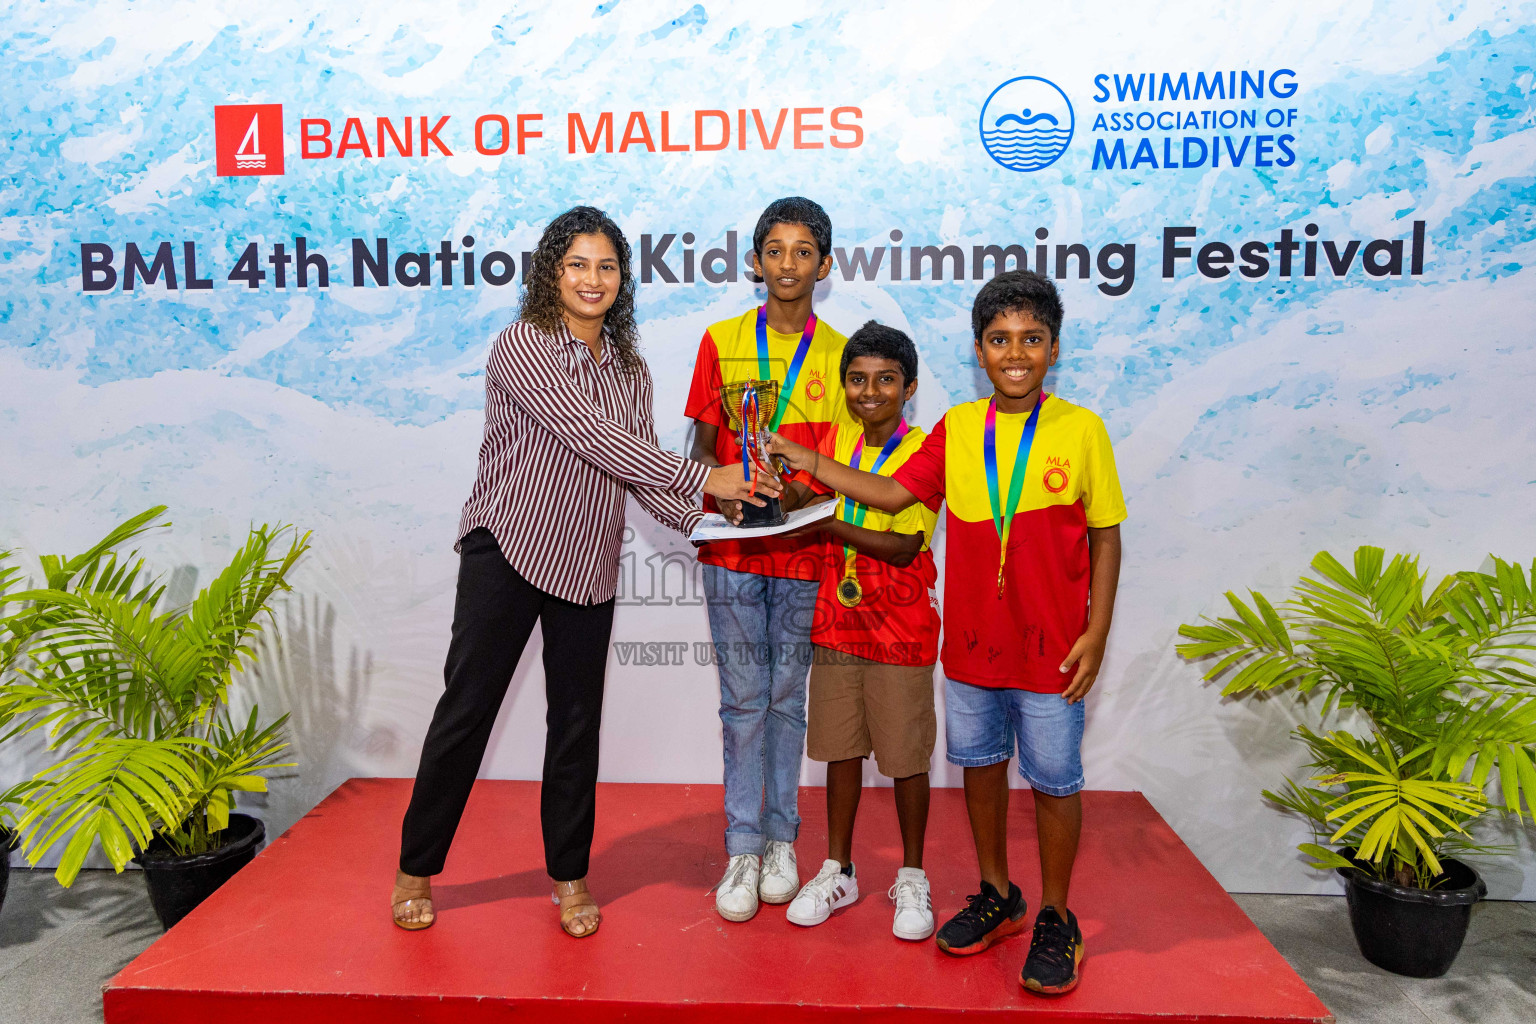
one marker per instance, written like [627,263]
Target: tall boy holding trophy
[774,368]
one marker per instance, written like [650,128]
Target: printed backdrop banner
[253,256]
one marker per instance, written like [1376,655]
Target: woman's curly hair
[541,282]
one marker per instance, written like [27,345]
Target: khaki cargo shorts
[857,707]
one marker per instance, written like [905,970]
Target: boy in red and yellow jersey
[762,592]
[1032,561]
[876,638]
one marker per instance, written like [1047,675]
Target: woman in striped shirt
[569,432]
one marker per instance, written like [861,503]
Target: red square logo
[248,138]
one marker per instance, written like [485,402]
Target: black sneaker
[1054,954]
[986,918]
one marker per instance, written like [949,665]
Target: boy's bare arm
[704,435]
[1104,575]
[798,494]
[875,491]
[898,549]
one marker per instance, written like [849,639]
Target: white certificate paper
[714,527]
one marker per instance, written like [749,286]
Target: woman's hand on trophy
[798,456]
[729,487]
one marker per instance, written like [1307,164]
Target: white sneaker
[914,906]
[736,894]
[823,894]
[781,875]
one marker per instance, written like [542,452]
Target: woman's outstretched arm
[526,367]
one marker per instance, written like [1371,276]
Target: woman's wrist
[692,477]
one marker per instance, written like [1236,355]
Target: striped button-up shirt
[567,435]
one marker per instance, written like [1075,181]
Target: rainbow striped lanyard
[1003,518]
[856,515]
[795,364]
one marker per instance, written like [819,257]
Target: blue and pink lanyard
[753,461]
[793,376]
[858,511]
[855,517]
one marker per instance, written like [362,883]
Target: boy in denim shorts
[1032,561]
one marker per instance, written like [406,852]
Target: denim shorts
[983,724]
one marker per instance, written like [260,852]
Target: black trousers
[493,616]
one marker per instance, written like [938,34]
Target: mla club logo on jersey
[816,387]
[1027,123]
[248,138]
[1056,476]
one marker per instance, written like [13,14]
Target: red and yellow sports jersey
[1020,639]
[897,622]
[728,353]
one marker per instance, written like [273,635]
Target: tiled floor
[58,947]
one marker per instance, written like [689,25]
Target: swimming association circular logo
[1026,123]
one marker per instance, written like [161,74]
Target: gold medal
[849,592]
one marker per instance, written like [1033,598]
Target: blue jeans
[761,627]
[983,724]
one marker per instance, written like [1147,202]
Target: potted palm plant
[134,698]
[1428,697]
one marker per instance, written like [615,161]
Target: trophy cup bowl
[771,512]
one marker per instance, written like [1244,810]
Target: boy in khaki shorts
[875,638]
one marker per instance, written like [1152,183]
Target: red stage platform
[303,934]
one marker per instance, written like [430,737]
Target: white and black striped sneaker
[823,894]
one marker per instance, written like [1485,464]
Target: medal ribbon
[794,365]
[855,516]
[1003,518]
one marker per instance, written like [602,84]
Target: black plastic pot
[8,841]
[178,884]
[1408,931]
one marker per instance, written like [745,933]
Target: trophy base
[771,513]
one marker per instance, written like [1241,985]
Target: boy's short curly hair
[882,342]
[795,210]
[1018,291]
